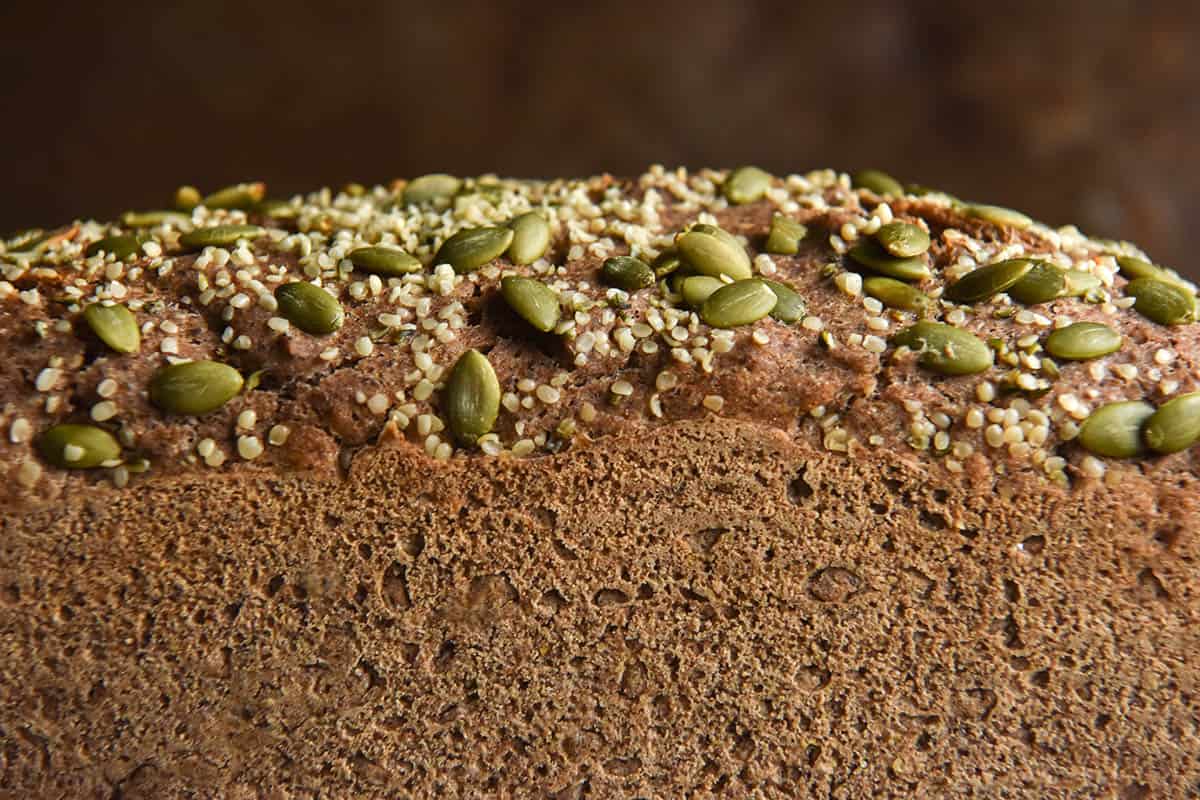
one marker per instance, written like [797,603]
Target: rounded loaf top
[862,316]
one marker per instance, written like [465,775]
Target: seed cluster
[656,297]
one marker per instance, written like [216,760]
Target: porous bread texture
[710,609]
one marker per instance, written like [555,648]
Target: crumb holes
[879,509]
[633,680]
[833,585]
[645,592]
[393,586]
[1102,721]
[274,585]
[1151,585]
[968,533]
[232,612]
[1033,545]
[11,595]
[934,520]
[941,496]
[812,753]
[692,596]
[925,741]
[445,655]
[800,490]
[365,552]
[1012,592]
[811,678]
[491,591]
[610,597]
[409,652]
[553,601]
[564,552]
[704,541]
[1012,633]
[623,767]
[1168,536]
[1135,791]
[1041,678]
[413,544]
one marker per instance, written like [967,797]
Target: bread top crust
[617,360]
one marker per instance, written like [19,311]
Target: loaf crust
[788,593]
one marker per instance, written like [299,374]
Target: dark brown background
[1072,111]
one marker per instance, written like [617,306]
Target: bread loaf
[792,500]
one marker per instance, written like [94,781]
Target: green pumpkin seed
[1161,301]
[1175,426]
[24,240]
[1083,340]
[876,181]
[987,281]
[115,326]
[187,198]
[354,189]
[895,294]
[309,307]
[1079,283]
[279,209]
[534,301]
[627,272]
[435,188]
[1044,282]
[746,185]
[785,236]
[78,446]
[470,249]
[219,236]
[239,196]
[789,307]
[1115,430]
[695,289]
[194,387]
[871,254]
[945,349]
[903,239]
[531,238]
[152,219]
[666,263]
[471,397]
[711,251]
[740,303]
[1134,268]
[998,215]
[384,260]
[121,247]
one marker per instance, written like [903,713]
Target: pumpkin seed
[114,325]
[745,185]
[354,189]
[531,238]
[152,219]
[534,301]
[876,181]
[384,260]
[627,272]
[1175,426]
[78,446]
[309,307]
[434,188]
[739,303]
[239,196]
[712,251]
[1115,430]
[24,240]
[1044,282]
[187,198]
[667,262]
[1083,340]
[1162,301]
[903,239]
[871,254]
[121,247]
[194,387]
[279,209]
[984,282]
[785,236]
[470,249]
[1079,283]
[945,349]
[698,288]
[790,306]
[998,215]
[895,294]
[219,236]
[472,397]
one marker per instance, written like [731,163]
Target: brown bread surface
[694,604]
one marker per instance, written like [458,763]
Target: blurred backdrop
[1083,110]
